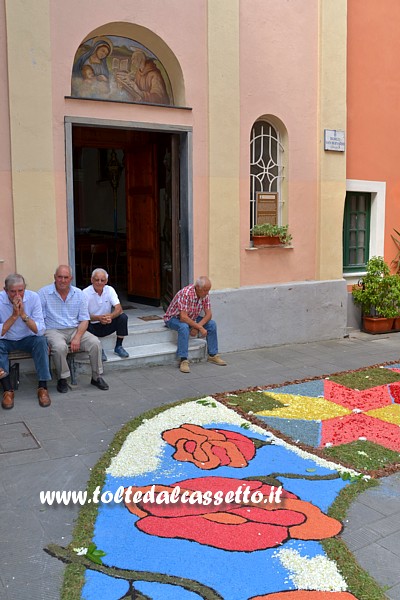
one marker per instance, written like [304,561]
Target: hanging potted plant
[378,294]
[266,234]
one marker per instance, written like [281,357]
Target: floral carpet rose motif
[306,595]
[234,526]
[210,448]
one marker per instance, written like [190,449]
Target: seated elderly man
[105,310]
[22,328]
[184,316]
[66,318]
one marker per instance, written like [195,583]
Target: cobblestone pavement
[69,437]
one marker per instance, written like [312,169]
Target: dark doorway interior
[126,211]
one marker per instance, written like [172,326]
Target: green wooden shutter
[356,231]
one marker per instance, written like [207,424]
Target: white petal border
[317,573]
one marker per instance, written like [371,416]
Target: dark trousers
[118,325]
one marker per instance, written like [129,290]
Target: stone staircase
[148,343]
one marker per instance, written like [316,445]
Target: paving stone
[380,562]
[24,457]
[91,459]
[22,544]
[360,514]
[380,501]
[387,525]
[49,427]
[3,592]
[393,593]
[392,543]
[23,484]
[67,445]
[360,538]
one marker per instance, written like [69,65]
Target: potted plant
[267,234]
[378,294]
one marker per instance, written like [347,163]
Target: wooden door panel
[176,253]
[143,252]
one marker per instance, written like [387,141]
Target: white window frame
[377,189]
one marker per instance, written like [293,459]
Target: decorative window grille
[356,230]
[266,169]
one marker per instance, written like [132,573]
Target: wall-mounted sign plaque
[334,140]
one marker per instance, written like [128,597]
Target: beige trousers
[58,341]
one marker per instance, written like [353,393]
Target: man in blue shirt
[22,328]
[66,318]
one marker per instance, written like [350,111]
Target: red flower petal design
[210,448]
[237,525]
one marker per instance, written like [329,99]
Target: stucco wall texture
[276,71]
[231,62]
[373,93]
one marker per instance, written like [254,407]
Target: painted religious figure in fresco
[144,82]
[118,68]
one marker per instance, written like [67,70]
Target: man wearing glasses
[106,314]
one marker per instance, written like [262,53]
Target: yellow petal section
[308,408]
[390,413]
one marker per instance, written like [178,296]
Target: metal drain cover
[15,437]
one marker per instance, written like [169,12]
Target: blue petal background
[234,575]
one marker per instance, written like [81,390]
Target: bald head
[62,279]
[202,286]
[203,281]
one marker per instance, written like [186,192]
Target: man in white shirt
[106,314]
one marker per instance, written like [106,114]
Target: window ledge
[274,247]
[353,278]
[350,274]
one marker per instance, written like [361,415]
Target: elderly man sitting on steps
[66,317]
[22,328]
[184,316]
[106,314]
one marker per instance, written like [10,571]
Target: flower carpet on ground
[216,504]
[324,413]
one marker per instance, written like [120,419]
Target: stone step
[148,343]
[146,355]
[153,332]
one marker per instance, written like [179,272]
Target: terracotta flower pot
[396,324]
[266,240]
[377,324]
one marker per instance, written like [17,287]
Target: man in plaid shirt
[184,315]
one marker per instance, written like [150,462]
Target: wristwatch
[25,319]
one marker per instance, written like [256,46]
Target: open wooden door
[143,243]
[176,234]
[169,221]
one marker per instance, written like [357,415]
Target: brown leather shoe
[43,397]
[8,400]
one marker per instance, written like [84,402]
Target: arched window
[266,174]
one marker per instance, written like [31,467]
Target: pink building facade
[151,155]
